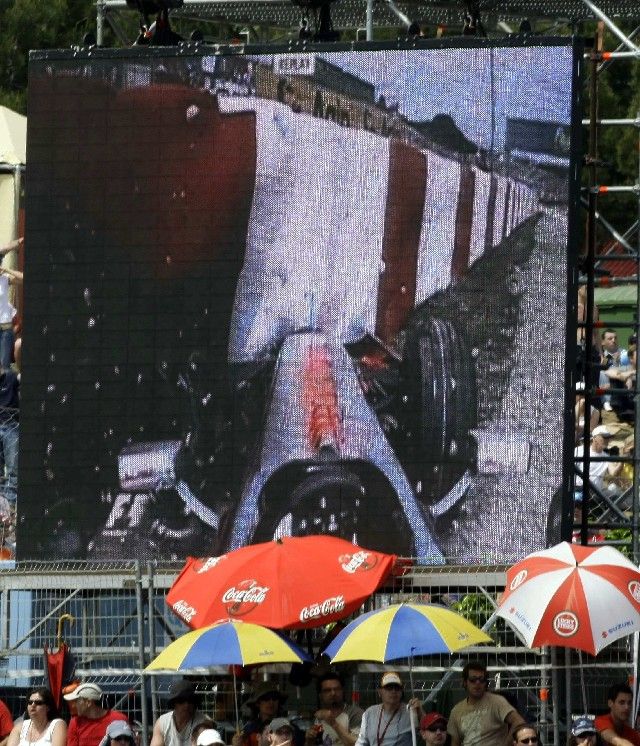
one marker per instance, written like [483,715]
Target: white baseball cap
[390,677]
[209,737]
[86,691]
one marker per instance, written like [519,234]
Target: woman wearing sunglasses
[42,726]
[525,734]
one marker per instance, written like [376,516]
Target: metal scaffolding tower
[601,511]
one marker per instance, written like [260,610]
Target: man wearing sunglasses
[389,723]
[88,726]
[482,718]
[337,723]
[433,728]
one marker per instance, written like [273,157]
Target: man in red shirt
[88,727]
[614,728]
[6,723]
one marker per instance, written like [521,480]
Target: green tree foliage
[36,24]
[475,607]
[621,535]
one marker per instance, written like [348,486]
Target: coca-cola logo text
[359,561]
[329,606]
[565,624]
[209,563]
[244,597]
[184,611]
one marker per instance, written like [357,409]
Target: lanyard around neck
[386,727]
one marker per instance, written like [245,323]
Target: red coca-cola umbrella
[290,583]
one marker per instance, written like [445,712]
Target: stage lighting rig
[473,23]
[149,7]
[159,33]
[324,24]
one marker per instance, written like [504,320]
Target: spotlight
[324,31]
[304,32]
[315,4]
[470,28]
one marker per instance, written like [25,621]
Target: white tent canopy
[13,137]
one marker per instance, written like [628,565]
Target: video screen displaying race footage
[296,293]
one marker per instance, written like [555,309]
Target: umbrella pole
[582,683]
[413,694]
[412,713]
[412,719]
[235,699]
[567,676]
[634,708]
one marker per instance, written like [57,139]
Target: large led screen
[291,293]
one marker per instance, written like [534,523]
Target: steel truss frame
[623,512]
[497,16]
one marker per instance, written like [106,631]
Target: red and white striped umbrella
[573,596]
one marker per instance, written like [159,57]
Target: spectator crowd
[606,431]
[481,718]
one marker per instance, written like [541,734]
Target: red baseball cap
[431,718]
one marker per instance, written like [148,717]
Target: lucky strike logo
[518,580]
[634,590]
[565,624]
[360,561]
[243,597]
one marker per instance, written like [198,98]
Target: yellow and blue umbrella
[404,631]
[227,643]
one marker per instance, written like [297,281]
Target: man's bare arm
[514,718]
[157,739]
[610,736]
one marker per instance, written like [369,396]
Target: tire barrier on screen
[438,406]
